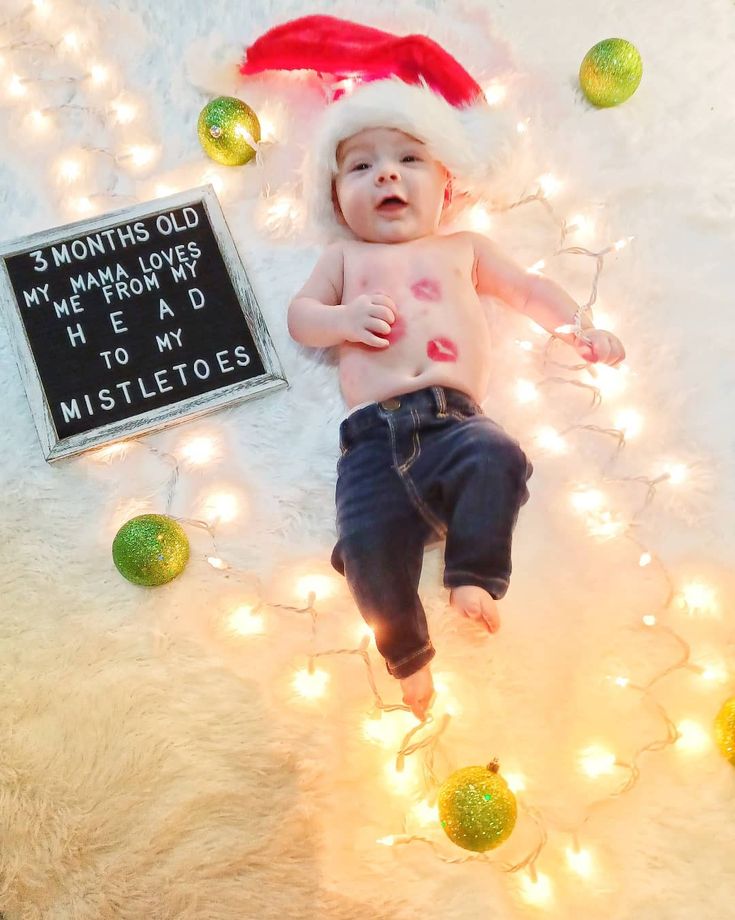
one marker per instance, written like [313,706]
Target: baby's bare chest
[430,275]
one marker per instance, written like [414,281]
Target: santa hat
[406,82]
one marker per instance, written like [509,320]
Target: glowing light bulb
[604,321]
[70,170]
[99,74]
[42,7]
[320,586]
[83,205]
[677,472]
[220,507]
[645,559]
[526,391]
[217,563]
[110,452]
[550,185]
[522,126]
[141,154]
[386,841]
[535,269]
[404,780]
[630,422]
[71,41]
[480,219]
[580,861]
[40,121]
[311,686]
[198,450]
[602,524]
[267,129]
[216,181]
[161,190]
[124,112]
[587,499]
[620,244]
[649,620]
[536,891]
[596,761]
[581,224]
[693,738]
[425,814]
[550,439]
[699,599]
[715,673]
[622,681]
[516,781]
[16,87]
[245,622]
[364,631]
[495,92]
[610,381]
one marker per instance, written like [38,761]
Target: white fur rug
[154,763]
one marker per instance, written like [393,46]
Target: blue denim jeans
[413,468]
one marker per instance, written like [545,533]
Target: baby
[419,459]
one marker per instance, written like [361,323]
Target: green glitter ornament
[610,72]
[725,730]
[150,549]
[476,808]
[227,128]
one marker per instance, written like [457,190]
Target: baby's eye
[411,158]
[358,166]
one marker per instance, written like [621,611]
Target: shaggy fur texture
[153,764]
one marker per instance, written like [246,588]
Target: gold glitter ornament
[150,549]
[610,72]
[476,808]
[228,131]
[725,730]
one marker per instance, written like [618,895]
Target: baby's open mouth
[392,203]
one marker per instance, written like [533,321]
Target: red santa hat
[406,82]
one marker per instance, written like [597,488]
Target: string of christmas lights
[283,209]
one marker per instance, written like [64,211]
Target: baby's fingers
[377,325]
[375,341]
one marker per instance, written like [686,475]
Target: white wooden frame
[184,410]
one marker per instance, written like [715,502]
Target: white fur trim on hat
[466,140]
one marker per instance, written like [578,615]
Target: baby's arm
[546,302]
[317,317]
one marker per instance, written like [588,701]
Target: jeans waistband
[429,399]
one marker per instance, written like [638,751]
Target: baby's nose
[387,174]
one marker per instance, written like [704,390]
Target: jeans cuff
[495,587]
[408,666]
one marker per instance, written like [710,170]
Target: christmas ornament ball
[725,730]
[476,808]
[150,549]
[610,72]
[227,128]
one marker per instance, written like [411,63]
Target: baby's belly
[448,348]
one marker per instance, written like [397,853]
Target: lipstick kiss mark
[442,350]
[426,289]
[397,330]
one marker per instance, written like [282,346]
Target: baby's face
[388,188]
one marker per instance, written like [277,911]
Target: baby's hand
[597,345]
[367,315]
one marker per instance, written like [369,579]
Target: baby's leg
[382,565]
[483,493]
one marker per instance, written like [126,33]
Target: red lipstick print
[426,289]
[442,350]
[397,330]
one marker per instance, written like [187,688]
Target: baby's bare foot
[477,604]
[418,691]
